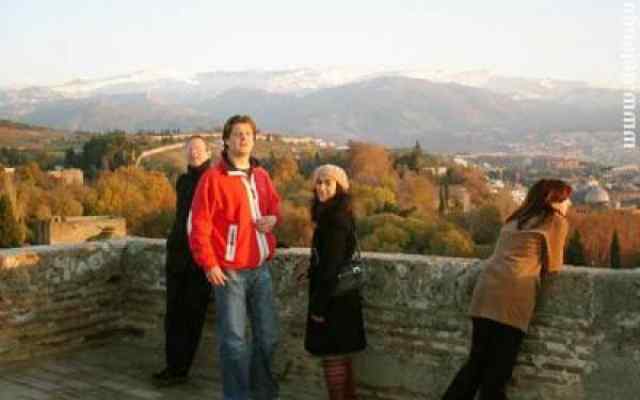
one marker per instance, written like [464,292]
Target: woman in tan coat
[531,245]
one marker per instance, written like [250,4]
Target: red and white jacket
[222,222]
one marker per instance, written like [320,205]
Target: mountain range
[447,111]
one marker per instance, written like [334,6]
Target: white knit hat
[334,172]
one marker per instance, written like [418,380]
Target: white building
[461,161]
[436,171]
[495,185]
[519,194]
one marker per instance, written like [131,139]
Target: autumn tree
[8,187]
[473,179]
[31,174]
[368,200]
[40,197]
[156,224]
[31,200]
[372,165]
[295,228]
[290,184]
[452,241]
[284,169]
[483,223]
[417,192]
[138,195]
[384,233]
[425,235]
[63,203]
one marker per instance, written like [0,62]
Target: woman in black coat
[335,327]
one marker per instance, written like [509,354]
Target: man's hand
[216,276]
[266,223]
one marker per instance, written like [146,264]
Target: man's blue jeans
[247,370]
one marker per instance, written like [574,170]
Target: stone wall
[68,230]
[54,298]
[583,344]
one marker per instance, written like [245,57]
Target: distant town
[67,188]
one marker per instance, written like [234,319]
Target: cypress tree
[575,250]
[614,252]
[9,228]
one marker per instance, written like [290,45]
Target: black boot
[168,377]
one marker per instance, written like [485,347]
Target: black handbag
[351,274]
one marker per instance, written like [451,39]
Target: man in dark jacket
[188,290]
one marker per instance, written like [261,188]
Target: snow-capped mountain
[395,106]
[136,81]
[183,87]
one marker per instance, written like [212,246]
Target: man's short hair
[238,119]
[193,137]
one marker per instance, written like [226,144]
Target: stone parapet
[583,344]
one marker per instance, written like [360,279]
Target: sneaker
[167,378]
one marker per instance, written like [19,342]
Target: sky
[52,42]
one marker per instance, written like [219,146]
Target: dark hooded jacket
[178,253]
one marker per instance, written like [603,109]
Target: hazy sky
[46,42]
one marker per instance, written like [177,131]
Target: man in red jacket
[234,210]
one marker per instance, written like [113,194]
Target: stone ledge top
[121,243]
[39,249]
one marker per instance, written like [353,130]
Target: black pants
[494,350]
[188,294]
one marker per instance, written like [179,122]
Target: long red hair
[539,199]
